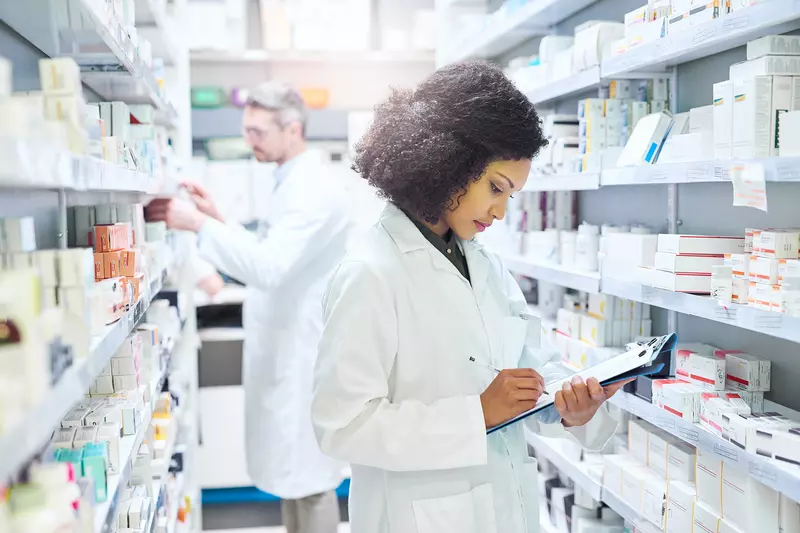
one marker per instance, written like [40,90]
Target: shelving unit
[574,84]
[19,445]
[560,275]
[110,62]
[511,27]
[292,57]
[783,478]
[581,181]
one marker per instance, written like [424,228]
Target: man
[285,266]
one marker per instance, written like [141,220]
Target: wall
[702,208]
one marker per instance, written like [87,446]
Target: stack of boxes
[680,489]
[63,99]
[535,221]
[684,263]
[765,275]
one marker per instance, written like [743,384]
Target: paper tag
[725,313]
[699,173]
[758,472]
[689,435]
[733,23]
[768,321]
[726,452]
[704,35]
[787,170]
[749,186]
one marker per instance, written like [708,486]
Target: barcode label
[726,452]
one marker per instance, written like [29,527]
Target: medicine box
[95,466]
[752,107]
[639,439]
[747,372]
[774,45]
[747,503]
[788,268]
[682,401]
[705,520]
[680,507]
[740,265]
[593,331]
[85,435]
[60,76]
[723,120]
[676,282]
[687,263]
[680,461]
[613,468]
[708,479]
[702,370]
[633,480]
[741,291]
[657,451]
[74,419]
[780,244]
[763,269]
[63,438]
[646,141]
[654,499]
[699,244]
[766,66]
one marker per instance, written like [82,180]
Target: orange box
[102,238]
[113,237]
[98,267]
[136,282]
[123,235]
[128,263]
[111,264]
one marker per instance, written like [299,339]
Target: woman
[418,315]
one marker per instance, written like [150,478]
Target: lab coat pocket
[515,332]
[469,512]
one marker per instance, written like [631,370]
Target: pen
[496,370]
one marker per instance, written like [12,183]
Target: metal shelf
[553,273]
[323,124]
[575,84]
[769,323]
[776,169]
[108,57]
[579,181]
[623,508]
[725,33]
[153,14]
[576,471]
[19,444]
[503,32]
[33,164]
[782,478]
[245,57]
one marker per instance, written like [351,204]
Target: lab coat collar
[409,239]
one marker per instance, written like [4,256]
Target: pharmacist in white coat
[419,315]
[286,267]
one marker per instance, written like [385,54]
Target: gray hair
[281,98]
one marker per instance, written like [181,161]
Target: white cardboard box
[680,461]
[789,515]
[687,263]
[639,439]
[699,244]
[747,503]
[654,499]
[704,371]
[764,270]
[680,507]
[752,105]
[633,480]
[708,479]
[740,265]
[766,66]
[747,372]
[670,281]
[645,143]
[705,520]
[779,244]
[773,45]
[723,120]
[657,451]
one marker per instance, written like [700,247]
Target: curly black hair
[425,146]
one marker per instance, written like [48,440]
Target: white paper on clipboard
[639,355]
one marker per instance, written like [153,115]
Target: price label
[758,471]
[727,314]
[726,452]
[650,295]
[655,176]
[749,186]
[690,435]
[666,422]
[722,173]
[734,23]
[787,170]
[768,321]
[699,173]
[704,35]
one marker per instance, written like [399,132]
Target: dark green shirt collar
[447,245]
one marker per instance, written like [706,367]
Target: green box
[75,457]
[95,466]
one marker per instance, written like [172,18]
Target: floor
[256,517]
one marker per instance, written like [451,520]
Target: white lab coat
[396,395]
[286,267]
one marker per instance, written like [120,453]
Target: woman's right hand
[512,392]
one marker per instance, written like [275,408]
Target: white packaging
[593,331]
[705,520]
[763,270]
[657,451]
[646,141]
[654,499]
[747,372]
[680,507]
[723,120]
[758,104]
[687,263]
[722,283]
[17,235]
[102,385]
[788,269]
[568,323]
[613,468]
[84,436]
[601,305]
[639,439]
[126,382]
[708,479]
[5,78]
[699,244]
[593,43]
[779,244]
[747,503]
[789,134]
[60,76]
[766,66]
[740,265]
[682,401]
[680,461]
[741,291]
[633,480]
[670,281]
[789,515]
[702,370]
[587,247]
[774,45]
[44,261]
[74,418]
[76,267]
[63,437]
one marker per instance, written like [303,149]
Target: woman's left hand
[577,402]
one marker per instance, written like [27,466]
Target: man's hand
[202,199]
[512,392]
[177,213]
[577,402]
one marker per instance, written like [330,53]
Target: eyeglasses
[255,133]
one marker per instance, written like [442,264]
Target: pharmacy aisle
[95,427]
[665,201]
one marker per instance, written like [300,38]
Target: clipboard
[637,361]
